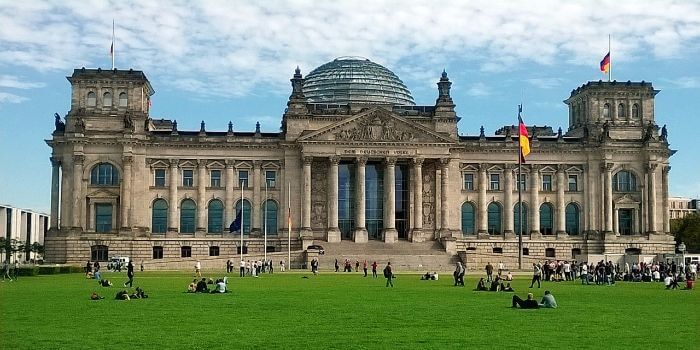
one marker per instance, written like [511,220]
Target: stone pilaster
[664,199]
[306,209]
[230,202]
[257,202]
[651,176]
[560,222]
[360,234]
[173,202]
[78,160]
[607,168]
[444,200]
[535,201]
[416,234]
[333,233]
[508,200]
[127,160]
[390,234]
[55,191]
[201,198]
[482,208]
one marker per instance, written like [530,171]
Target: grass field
[339,311]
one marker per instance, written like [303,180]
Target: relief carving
[375,128]
[319,197]
[429,195]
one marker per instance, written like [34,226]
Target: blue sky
[232,60]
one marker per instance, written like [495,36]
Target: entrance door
[374,200]
[625,224]
[402,202]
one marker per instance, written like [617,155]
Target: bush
[64,269]
[28,271]
[49,270]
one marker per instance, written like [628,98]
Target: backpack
[387,272]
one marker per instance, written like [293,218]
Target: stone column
[560,222]
[535,200]
[55,191]
[306,209]
[201,199]
[125,204]
[416,230]
[78,160]
[360,229]
[333,234]
[651,175]
[173,217]
[444,202]
[390,233]
[508,200]
[230,194]
[482,207]
[607,168]
[664,199]
[257,202]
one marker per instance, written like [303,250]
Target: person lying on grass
[95,296]
[122,295]
[548,301]
[139,294]
[105,283]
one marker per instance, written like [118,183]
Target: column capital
[508,166]
[307,160]
[334,160]
[361,160]
[535,167]
[606,166]
[651,167]
[417,161]
[561,168]
[55,161]
[127,159]
[390,161]
[230,163]
[445,161]
[174,162]
[257,163]
[201,163]
[78,159]
[483,167]
[666,169]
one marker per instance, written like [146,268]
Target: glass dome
[355,80]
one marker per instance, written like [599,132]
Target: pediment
[104,193]
[376,125]
[244,165]
[158,163]
[494,169]
[216,165]
[547,169]
[574,170]
[188,164]
[469,167]
[270,165]
[626,199]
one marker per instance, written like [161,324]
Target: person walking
[337,267]
[459,274]
[6,271]
[374,269]
[489,272]
[242,268]
[141,265]
[536,275]
[16,270]
[364,267]
[198,269]
[130,274]
[389,275]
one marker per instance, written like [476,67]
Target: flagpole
[265,232]
[520,203]
[113,44]
[289,224]
[610,53]
[242,222]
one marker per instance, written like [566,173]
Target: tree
[38,250]
[9,246]
[687,230]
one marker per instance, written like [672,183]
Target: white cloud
[237,47]
[6,97]
[685,82]
[13,82]
[545,83]
[478,90]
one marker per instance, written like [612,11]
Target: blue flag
[236,224]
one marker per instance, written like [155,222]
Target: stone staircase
[404,256]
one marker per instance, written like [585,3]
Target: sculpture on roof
[60,125]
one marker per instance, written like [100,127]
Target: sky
[232,60]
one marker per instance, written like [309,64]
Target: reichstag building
[355,160]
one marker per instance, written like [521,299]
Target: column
[173,204]
[390,233]
[78,160]
[257,203]
[664,198]
[55,191]
[444,193]
[416,230]
[651,175]
[560,222]
[306,209]
[333,234]
[360,229]
[607,167]
[230,202]
[201,193]
[482,207]
[508,200]
[127,160]
[534,206]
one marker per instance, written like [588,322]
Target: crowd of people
[254,268]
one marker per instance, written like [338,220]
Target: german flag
[523,139]
[605,63]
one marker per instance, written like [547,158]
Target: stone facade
[601,186]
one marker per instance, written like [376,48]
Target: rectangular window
[573,183]
[186,251]
[188,178]
[271,178]
[157,252]
[159,175]
[526,251]
[523,182]
[546,182]
[245,250]
[243,178]
[214,251]
[495,182]
[469,182]
[103,217]
[215,178]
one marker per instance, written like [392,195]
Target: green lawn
[340,311]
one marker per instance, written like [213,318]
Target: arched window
[467,218]
[635,111]
[516,219]
[621,111]
[216,217]
[104,174]
[572,219]
[606,111]
[91,99]
[270,207]
[107,99]
[159,216]
[546,219]
[494,218]
[122,99]
[188,213]
[624,181]
[246,214]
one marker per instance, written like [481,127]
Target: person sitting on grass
[97,275]
[192,287]
[122,295]
[95,296]
[105,283]
[509,276]
[670,282]
[548,300]
[202,286]
[530,303]
[220,286]
[139,294]
[506,288]
[481,286]
[495,284]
